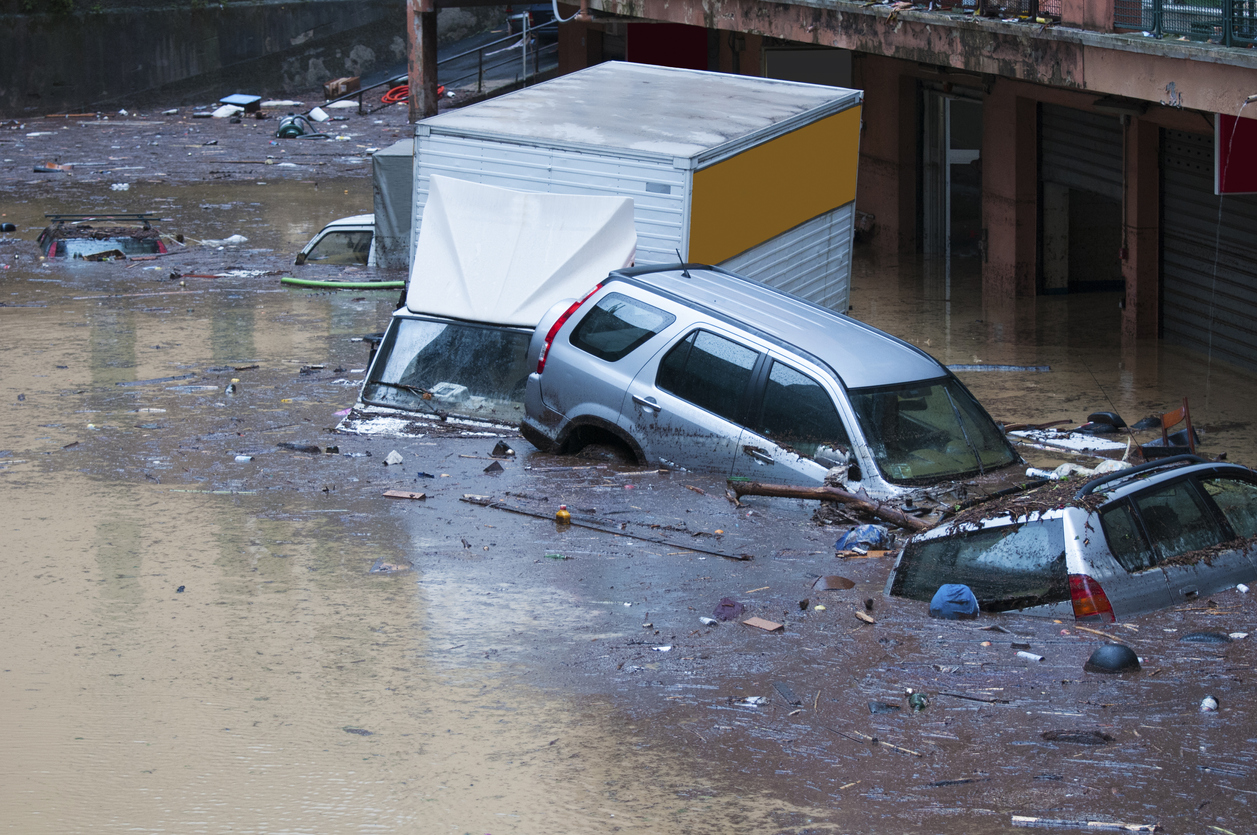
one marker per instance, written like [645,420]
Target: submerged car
[1125,544]
[699,368]
[100,237]
[345,242]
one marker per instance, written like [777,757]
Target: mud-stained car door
[687,403]
[793,433]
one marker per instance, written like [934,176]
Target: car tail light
[558,324]
[1090,601]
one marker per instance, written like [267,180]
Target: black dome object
[1112,658]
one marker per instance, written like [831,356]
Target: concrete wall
[81,58]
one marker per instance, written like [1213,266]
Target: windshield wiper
[423,394]
[977,456]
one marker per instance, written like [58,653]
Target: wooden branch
[830,494]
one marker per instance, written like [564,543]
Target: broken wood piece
[830,494]
[766,625]
[856,555]
[1112,826]
[866,618]
[403,494]
[786,693]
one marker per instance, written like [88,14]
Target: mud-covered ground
[208,632]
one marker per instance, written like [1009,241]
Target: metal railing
[525,50]
[1221,22]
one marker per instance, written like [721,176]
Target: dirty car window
[709,371]
[929,431]
[1007,567]
[617,325]
[1238,502]
[1126,541]
[342,248]
[798,412]
[1177,520]
[463,369]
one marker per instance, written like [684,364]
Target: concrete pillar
[1141,230]
[887,183]
[421,62]
[1009,182]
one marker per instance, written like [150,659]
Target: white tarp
[505,257]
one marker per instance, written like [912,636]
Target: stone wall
[69,56]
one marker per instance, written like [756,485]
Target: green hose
[343,285]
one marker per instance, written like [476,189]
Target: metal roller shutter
[1081,150]
[1208,268]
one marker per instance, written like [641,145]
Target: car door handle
[758,454]
[646,402]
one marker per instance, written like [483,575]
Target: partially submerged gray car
[1124,544]
[696,367]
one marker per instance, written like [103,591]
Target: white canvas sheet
[505,257]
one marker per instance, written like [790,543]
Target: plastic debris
[1206,638]
[954,601]
[494,468]
[728,609]
[882,707]
[243,459]
[918,702]
[1208,704]
[393,458]
[863,538]
[709,621]
[1242,588]
[1029,656]
[502,450]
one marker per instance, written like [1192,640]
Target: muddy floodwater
[206,632]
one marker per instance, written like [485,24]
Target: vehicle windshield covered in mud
[1126,543]
[921,432]
[100,237]
[443,366]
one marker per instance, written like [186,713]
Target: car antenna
[685,273]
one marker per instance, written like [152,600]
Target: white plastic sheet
[505,257]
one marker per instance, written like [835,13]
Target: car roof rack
[136,217]
[1172,461]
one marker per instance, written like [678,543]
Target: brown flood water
[196,645]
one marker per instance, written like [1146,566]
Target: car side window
[1125,539]
[342,248]
[1238,502]
[799,413]
[617,325]
[1177,520]
[708,371]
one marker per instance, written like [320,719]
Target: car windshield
[444,367]
[929,431]
[1007,567]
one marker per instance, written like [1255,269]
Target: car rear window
[617,325]
[1011,566]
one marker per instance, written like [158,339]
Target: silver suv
[696,367]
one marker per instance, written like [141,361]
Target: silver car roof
[1125,482]
[860,354]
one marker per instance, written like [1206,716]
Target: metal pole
[480,71]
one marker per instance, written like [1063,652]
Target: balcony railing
[1222,22]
